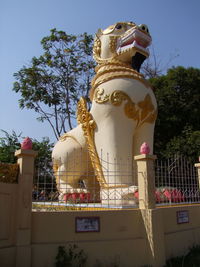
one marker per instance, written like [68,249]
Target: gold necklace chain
[109,71]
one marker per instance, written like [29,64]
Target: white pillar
[24,206]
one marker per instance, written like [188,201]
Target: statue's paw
[129,196]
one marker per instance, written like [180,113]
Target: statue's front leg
[70,161]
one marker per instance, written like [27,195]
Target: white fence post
[24,206]
[197,165]
[152,217]
[146,180]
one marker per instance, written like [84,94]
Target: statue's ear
[99,33]
[97,45]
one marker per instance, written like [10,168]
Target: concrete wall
[15,214]
[8,193]
[122,237]
[180,237]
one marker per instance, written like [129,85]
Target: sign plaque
[182,216]
[87,224]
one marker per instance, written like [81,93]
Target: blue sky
[174,26]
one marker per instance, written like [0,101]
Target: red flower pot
[75,196]
[67,196]
[82,197]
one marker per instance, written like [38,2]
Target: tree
[43,171]
[54,82]
[153,67]
[178,123]
[44,178]
[12,142]
[8,145]
[187,143]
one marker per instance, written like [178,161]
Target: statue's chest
[129,96]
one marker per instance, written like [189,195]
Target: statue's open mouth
[137,61]
[134,43]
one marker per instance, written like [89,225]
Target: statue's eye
[144,28]
[118,26]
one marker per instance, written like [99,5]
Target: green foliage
[43,173]
[12,141]
[44,149]
[43,162]
[188,143]
[178,124]
[8,145]
[192,259]
[73,257]
[53,83]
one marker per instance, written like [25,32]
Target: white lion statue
[100,150]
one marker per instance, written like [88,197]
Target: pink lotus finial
[145,149]
[27,144]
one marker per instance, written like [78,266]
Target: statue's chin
[137,61]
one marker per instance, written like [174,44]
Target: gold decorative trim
[113,70]
[97,48]
[84,117]
[112,47]
[147,110]
[113,44]
[9,173]
[141,112]
[66,136]
[130,108]
[99,96]
[111,28]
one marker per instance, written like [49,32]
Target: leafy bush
[191,259]
[73,257]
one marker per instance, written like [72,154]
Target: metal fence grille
[176,181]
[67,190]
